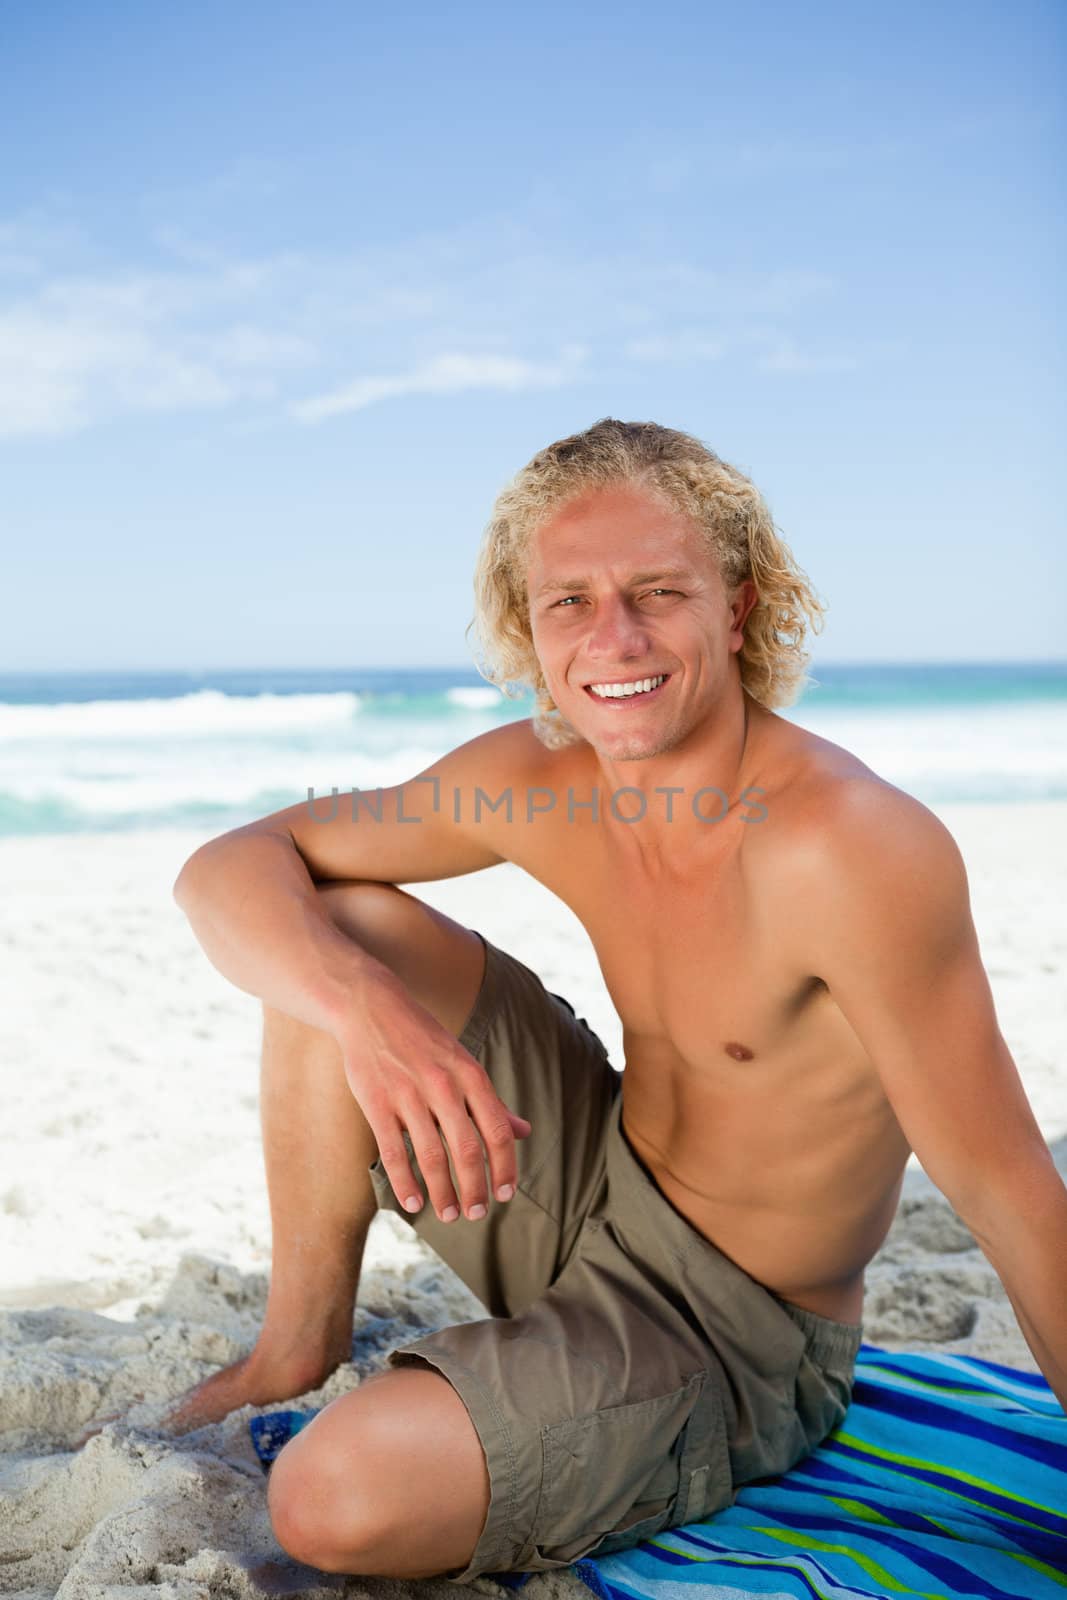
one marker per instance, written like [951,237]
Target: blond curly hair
[727,508]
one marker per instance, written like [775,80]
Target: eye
[567,597]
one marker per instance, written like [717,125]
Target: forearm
[1032,1265]
[253,906]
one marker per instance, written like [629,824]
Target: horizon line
[813,666]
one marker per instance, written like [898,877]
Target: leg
[394,1479]
[547,1065]
[388,1481]
[317,1150]
[592,1419]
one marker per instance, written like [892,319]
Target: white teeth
[619,691]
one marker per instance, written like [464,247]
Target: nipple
[740,1052]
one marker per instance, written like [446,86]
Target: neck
[689,797]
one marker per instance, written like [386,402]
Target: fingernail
[449,1214]
[476,1213]
[412,1203]
[505,1191]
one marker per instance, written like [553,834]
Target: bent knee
[340,1494]
[309,1520]
[332,1505]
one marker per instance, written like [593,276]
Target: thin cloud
[82,354]
[447,374]
[309,337]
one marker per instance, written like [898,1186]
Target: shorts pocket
[704,1482]
[618,1475]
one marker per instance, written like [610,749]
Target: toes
[94,1428]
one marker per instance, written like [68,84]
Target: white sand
[134,1236]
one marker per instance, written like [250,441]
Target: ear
[743,599]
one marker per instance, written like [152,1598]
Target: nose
[618,632]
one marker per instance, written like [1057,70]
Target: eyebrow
[554,584]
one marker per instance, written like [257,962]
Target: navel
[740,1052]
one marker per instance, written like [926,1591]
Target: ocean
[105,752]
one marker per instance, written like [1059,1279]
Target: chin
[633,749]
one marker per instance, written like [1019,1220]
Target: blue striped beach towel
[947,1478]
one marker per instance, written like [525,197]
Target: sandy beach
[134,1233]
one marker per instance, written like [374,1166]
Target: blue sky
[288,292]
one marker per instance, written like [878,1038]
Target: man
[673,1257]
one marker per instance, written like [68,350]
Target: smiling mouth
[639,697]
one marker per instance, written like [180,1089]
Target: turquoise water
[87,752]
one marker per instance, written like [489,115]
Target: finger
[396,1165]
[498,1129]
[431,1152]
[464,1144]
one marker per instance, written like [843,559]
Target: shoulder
[866,819]
[513,745]
[840,828]
[833,806]
[508,756]
[851,867]
[882,872]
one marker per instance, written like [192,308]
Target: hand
[407,1072]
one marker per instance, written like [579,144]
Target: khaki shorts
[630,1377]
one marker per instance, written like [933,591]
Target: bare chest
[747,1093]
[706,970]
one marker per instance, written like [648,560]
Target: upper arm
[431,826]
[896,945]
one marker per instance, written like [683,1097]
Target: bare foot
[250,1382]
[255,1380]
[100,1423]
